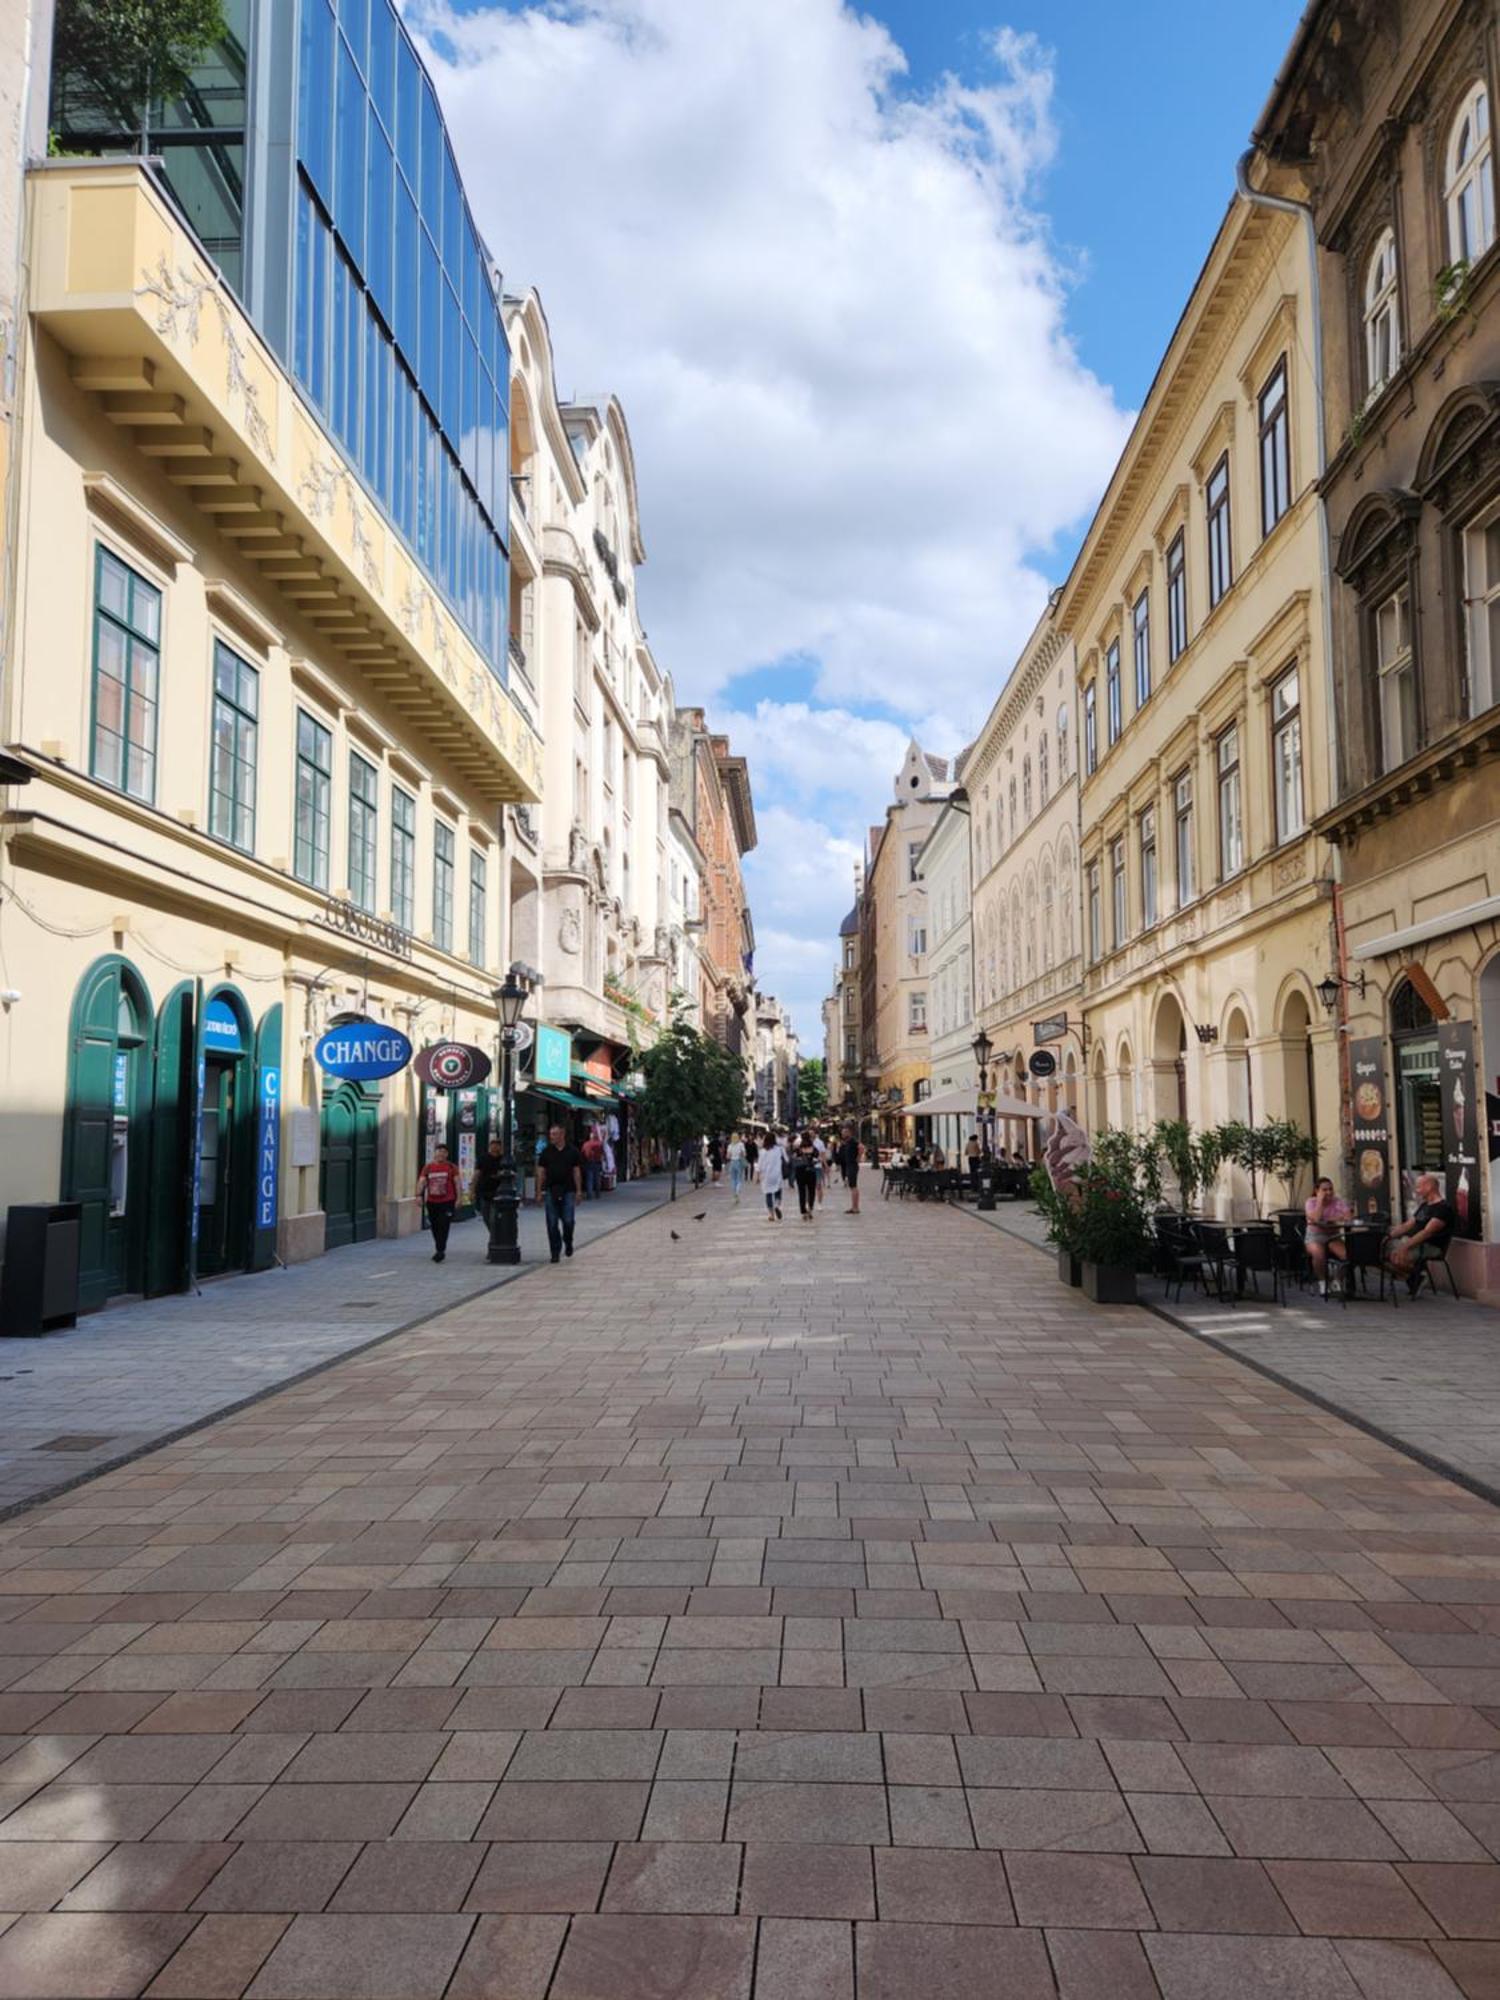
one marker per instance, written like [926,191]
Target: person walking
[715,1158]
[805,1167]
[559,1183]
[974,1159]
[593,1165]
[752,1155]
[736,1164]
[437,1185]
[772,1175]
[484,1187]
[820,1149]
[848,1158]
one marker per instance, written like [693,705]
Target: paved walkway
[77,1402]
[1425,1372]
[844,1608]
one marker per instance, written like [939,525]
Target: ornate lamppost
[505,1235]
[983,1049]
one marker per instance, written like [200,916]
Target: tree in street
[693,1085]
[111,58]
[812,1088]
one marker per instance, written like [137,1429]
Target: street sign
[452,1065]
[362,1051]
[1043,1063]
[554,1056]
[1051,1030]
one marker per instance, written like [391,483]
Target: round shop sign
[452,1065]
[362,1051]
[1043,1063]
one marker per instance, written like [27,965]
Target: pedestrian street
[743,1612]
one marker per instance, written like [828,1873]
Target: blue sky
[879,292]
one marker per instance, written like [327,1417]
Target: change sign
[362,1051]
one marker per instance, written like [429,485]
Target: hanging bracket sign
[362,1051]
[1042,1063]
[452,1066]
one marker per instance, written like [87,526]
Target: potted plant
[1173,1141]
[1296,1150]
[1060,1217]
[1111,1234]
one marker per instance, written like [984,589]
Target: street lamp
[505,1235]
[1328,989]
[983,1049]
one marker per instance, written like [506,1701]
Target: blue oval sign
[362,1051]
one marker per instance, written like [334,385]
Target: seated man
[1426,1233]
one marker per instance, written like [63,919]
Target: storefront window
[1419,1101]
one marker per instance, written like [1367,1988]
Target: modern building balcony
[156,336]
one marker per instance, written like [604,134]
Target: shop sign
[452,1065]
[267,1146]
[1460,1122]
[122,1084]
[354,922]
[1370,1125]
[362,1051]
[1051,1030]
[1043,1063]
[554,1057]
[221,1029]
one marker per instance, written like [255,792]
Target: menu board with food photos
[1370,1125]
[1460,1122]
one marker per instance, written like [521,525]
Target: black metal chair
[1365,1252]
[1255,1251]
[1291,1247]
[1181,1255]
[1438,1258]
[1212,1239]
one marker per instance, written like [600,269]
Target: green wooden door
[105,1132]
[171,1144]
[351,1127]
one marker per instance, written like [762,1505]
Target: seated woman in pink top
[1326,1215]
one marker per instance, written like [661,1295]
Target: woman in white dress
[773,1175]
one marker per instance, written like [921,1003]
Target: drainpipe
[1260,198]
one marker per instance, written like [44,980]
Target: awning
[564,1097]
[964,1104]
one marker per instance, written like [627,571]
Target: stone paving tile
[918,1630]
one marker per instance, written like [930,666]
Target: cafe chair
[1212,1238]
[1365,1251]
[1255,1250]
[1181,1256]
[1440,1259]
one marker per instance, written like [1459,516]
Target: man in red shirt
[437,1185]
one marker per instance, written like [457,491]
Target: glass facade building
[310,156]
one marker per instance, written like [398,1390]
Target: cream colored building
[1195,609]
[269,774]
[945,870]
[894,970]
[1022,781]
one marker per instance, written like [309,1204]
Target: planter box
[1069,1270]
[1109,1284]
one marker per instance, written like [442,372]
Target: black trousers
[807,1189]
[440,1221]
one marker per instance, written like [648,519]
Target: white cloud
[832,313]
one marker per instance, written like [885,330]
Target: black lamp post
[983,1049]
[1329,989]
[505,1235]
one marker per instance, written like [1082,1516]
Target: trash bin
[39,1284]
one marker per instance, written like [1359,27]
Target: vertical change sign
[267,1146]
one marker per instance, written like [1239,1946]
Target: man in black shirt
[1427,1232]
[559,1182]
[848,1159]
[486,1182]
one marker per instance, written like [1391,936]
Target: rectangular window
[127,665]
[1275,450]
[1177,616]
[442,886]
[1148,867]
[403,859]
[231,779]
[1220,558]
[1231,804]
[849,956]
[913,854]
[1118,910]
[1096,928]
[1112,707]
[851,1053]
[1090,731]
[479,908]
[1482,595]
[364,821]
[918,937]
[1182,816]
[1140,625]
[1398,680]
[1286,755]
[917,1013]
[314,801]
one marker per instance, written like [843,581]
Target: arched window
[1469,186]
[1026,791]
[1062,743]
[1047,911]
[1043,776]
[1410,1013]
[1382,317]
[1012,808]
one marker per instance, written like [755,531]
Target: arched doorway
[1099,1095]
[1169,1060]
[1299,1097]
[105,1129]
[1419,1096]
[351,1133]
[1240,1095]
[1070,1085]
[225,1148]
[1126,1068]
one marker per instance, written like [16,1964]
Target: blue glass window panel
[475,290]
[451,394]
[354,19]
[348,319]
[311,336]
[430,193]
[408,112]
[349,182]
[315,83]
[489,320]
[485,443]
[453,218]
[379,232]
[430,358]
[372,455]
[382,71]
[469,441]
[406,282]
[501,513]
[405,460]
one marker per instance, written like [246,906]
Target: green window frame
[479,907]
[234,757]
[403,859]
[442,886]
[364,829]
[126,677]
[314,800]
